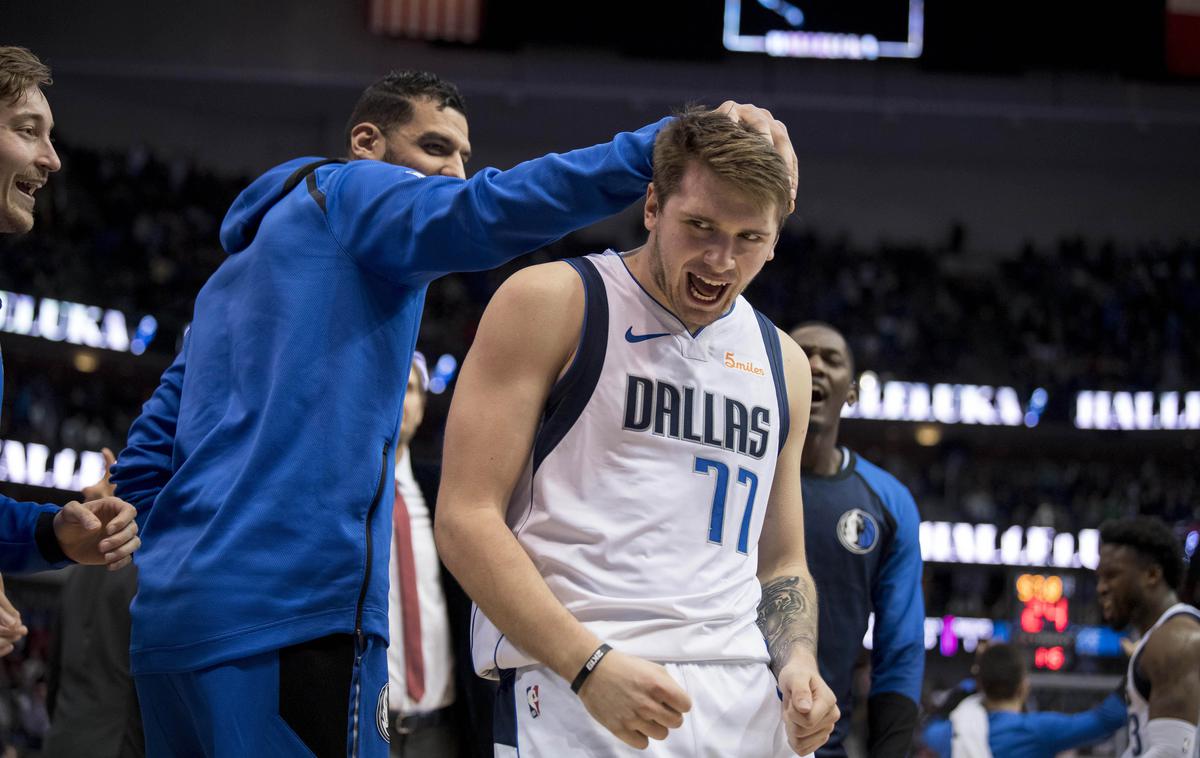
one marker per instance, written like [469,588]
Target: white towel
[969,727]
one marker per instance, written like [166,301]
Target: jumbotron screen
[845,29]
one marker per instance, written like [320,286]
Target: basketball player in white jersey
[621,483]
[1140,566]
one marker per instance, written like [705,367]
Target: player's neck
[1153,611]
[821,456]
[1013,705]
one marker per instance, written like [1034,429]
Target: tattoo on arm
[787,616]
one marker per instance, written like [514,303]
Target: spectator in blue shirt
[993,722]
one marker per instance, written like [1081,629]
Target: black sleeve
[47,540]
[891,719]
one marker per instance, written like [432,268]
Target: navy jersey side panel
[898,657]
[847,535]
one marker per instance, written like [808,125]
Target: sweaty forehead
[428,116]
[703,193]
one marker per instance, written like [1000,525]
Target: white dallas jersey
[644,496]
[1137,687]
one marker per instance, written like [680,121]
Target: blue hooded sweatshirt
[259,466]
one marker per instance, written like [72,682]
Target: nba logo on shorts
[531,697]
[857,531]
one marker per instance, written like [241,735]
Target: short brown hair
[20,70]
[1001,671]
[730,150]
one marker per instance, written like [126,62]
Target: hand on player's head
[634,699]
[99,532]
[761,121]
[809,707]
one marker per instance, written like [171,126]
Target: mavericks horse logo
[857,531]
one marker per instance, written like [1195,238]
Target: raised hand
[761,121]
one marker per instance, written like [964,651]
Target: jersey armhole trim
[770,337]
[570,395]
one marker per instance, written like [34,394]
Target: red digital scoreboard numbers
[1044,604]
[1044,613]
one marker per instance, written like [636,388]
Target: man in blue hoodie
[35,536]
[262,461]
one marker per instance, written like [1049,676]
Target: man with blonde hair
[621,494]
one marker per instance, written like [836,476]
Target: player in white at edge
[618,471]
[1140,566]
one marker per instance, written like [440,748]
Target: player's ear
[852,393]
[651,209]
[1154,572]
[367,142]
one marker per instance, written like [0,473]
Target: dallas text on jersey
[662,408]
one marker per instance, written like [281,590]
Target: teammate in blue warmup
[994,722]
[860,532]
[620,491]
[262,463]
[37,536]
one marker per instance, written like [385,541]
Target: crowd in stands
[138,232]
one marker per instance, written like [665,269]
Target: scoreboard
[1044,624]
[1044,618]
[844,29]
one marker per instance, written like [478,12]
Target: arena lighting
[942,403]
[1052,658]
[984,544]
[31,463]
[948,634]
[443,373]
[1136,411]
[967,632]
[75,324]
[831,29]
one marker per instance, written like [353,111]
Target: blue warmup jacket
[1037,735]
[861,538]
[27,541]
[260,466]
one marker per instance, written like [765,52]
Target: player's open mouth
[818,394]
[26,187]
[705,290]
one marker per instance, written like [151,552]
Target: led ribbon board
[36,465]
[1137,411]
[75,323]
[832,29]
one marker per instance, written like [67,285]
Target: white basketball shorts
[736,713]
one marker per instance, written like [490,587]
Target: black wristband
[586,671]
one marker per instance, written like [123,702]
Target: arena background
[1006,225]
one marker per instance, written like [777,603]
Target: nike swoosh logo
[631,337]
